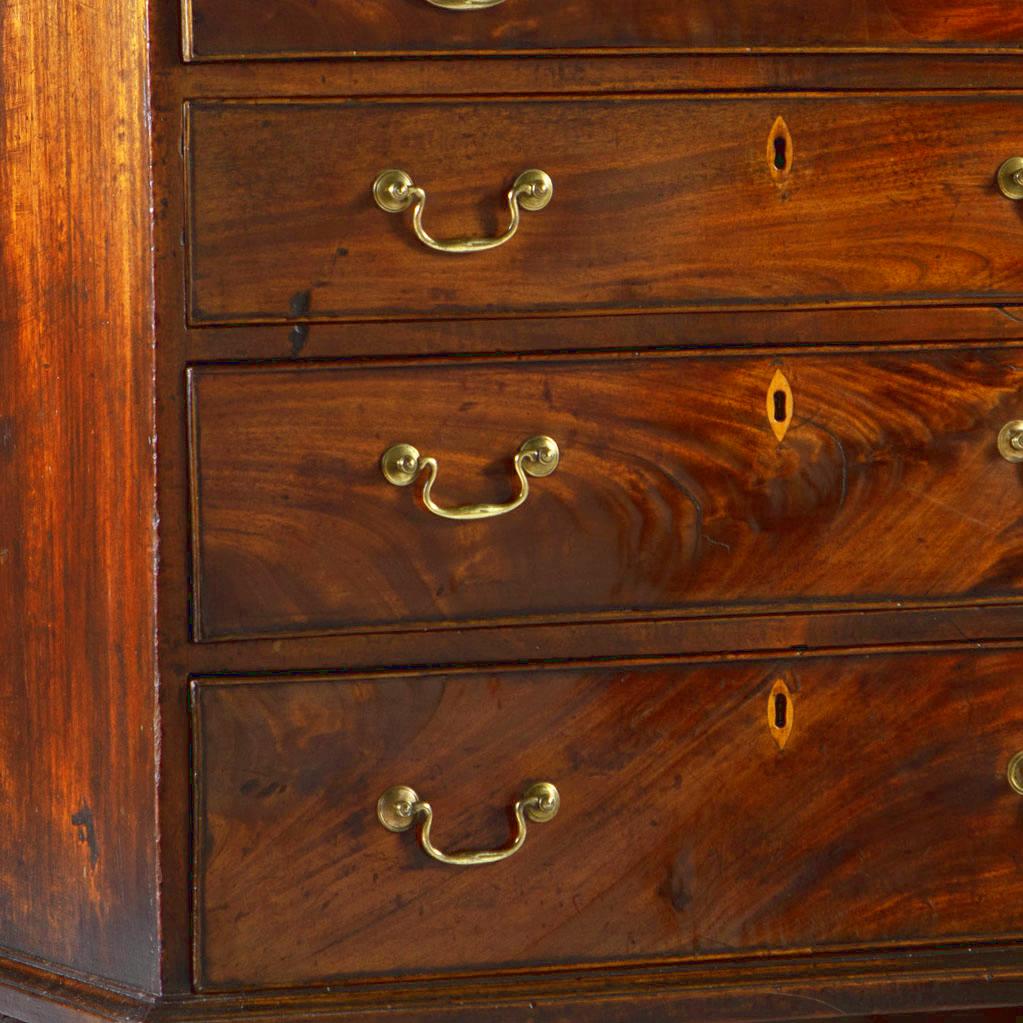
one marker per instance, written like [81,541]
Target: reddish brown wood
[659,203]
[78,861]
[221,28]
[920,70]
[734,635]
[834,328]
[673,493]
[815,987]
[37,993]
[899,978]
[684,833]
[77,845]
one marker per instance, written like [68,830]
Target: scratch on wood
[1012,316]
[955,509]
[300,304]
[841,453]
[84,822]
[6,436]
[299,337]
[815,1001]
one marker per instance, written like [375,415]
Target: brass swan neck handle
[402,464]
[399,808]
[394,192]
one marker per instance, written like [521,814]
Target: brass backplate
[1009,180]
[393,808]
[541,189]
[393,191]
[543,801]
[1010,441]
[540,456]
[1015,773]
[400,464]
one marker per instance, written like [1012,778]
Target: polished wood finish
[917,285]
[683,833]
[916,71]
[77,618]
[277,28]
[837,329]
[659,203]
[673,492]
[779,994]
[815,987]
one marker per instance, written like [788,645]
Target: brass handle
[1010,178]
[465,5]
[394,193]
[1010,441]
[1015,773]
[398,808]
[539,457]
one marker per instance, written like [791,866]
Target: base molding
[956,985]
[40,993]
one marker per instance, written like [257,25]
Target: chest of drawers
[510,511]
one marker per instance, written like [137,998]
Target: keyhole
[780,151]
[781,711]
[781,146]
[781,406]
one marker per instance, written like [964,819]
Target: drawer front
[685,829]
[282,28]
[658,203]
[673,493]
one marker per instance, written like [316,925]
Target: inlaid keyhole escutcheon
[780,713]
[779,405]
[779,151]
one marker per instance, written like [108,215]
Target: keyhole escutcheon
[780,713]
[779,405]
[780,152]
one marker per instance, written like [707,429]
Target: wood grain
[673,493]
[767,988]
[684,832]
[659,203]
[221,28]
[77,846]
[751,329]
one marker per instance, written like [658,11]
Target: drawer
[288,28]
[706,811]
[687,484]
[657,203]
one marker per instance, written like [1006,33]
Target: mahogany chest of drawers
[511,511]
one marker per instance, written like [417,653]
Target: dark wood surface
[684,830]
[291,27]
[659,203]
[775,994]
[817,987]
[914,71]
[78,853]
[673,493]
[77,841]
[827,329]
